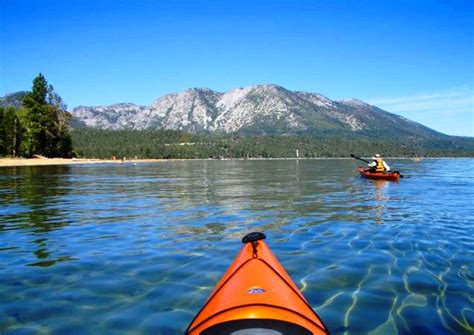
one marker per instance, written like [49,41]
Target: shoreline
[11,162]
[43,161]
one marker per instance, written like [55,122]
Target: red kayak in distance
[256,297]
[392,176]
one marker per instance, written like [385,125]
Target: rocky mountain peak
[267,108]
[354,102]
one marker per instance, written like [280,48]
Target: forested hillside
[90,142]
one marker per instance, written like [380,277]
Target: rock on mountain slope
[117,116]
[13,99]
[260,109]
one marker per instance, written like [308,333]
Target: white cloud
[450,111]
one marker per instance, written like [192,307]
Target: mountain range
[257,110]
[260,109]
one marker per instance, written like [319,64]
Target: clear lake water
[137,248]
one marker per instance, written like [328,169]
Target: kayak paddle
[361,159]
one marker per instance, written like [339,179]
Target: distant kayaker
[378,164]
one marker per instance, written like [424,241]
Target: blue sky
[413,58]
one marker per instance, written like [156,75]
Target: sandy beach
[65,161]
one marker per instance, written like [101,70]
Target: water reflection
[37,192]
[381,199]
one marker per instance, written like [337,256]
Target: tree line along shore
[175,144]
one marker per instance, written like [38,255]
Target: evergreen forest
[39,127]
[90,142]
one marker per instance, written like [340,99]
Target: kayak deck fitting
[256,296]
[395,175]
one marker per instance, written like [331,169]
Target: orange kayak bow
[256,296]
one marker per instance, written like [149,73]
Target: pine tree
[46,122]
[40,89]
[2,132]
[12,132]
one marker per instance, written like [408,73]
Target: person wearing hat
[378,164]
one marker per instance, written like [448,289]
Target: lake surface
[137,248]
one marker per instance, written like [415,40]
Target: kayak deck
[256,296]
[379,175]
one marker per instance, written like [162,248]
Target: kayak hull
[254,294]
[393,176]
